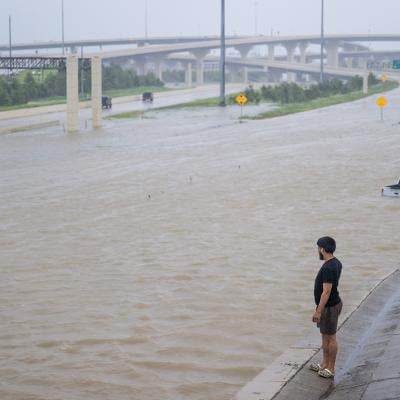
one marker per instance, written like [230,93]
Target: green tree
[372,79]
[355,83]
[5,98]
[31,87]
[17,92]
[60,88]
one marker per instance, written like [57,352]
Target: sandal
[326,373]
[315,367]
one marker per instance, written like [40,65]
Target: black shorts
[329,319]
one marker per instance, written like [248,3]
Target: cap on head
[327,243]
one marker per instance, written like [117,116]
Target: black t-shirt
[329,273]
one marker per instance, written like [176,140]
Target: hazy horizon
[123,18]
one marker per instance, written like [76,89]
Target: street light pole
[9,43]
[62,26]
[9,36]
[321,78]
[255,17]
[222,58]
[146,15]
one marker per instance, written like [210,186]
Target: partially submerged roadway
[368,365]
[32,118]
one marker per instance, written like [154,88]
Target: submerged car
[147,97]
[391,190]
[106,102]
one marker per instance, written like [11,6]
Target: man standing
[329,305]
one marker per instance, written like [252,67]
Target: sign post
[381,102]
[241,99]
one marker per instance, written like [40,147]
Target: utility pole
[9,43]
[321,78]
[62,27]
[222,58]
[255,17]
[146,16]
[9,37]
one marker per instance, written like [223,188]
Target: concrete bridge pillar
[291,76]
[96,92]
[245,74]
[332,50]
[244,50]
[290,49]
[349,62]
[72,94]
[303,48]
[188,75]
[271,52]
[200,72]
[141,65]
[200,55]
[365,80]
[158,66]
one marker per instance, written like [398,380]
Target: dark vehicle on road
[106,102]
[147,97]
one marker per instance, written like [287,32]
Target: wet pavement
[368,365]
[35,117]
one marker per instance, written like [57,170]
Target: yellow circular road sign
[381,101]
[241,99]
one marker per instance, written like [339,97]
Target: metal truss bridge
[39,63]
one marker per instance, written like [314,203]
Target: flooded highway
[40,115]
[174,256]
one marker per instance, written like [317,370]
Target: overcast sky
[41,19]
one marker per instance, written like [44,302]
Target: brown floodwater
[174,257]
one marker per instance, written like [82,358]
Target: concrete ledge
[273,378]
[23,128]
[288,377]
[41,110]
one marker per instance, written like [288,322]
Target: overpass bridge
[163,40]
[296,60]
[340,49]
[345,47]
[346,42]
[276,68]
[73,45]
[245,44]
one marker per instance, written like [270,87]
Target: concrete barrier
[281,373]
[23,128]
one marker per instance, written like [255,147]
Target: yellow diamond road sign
[241,99]
[384,77]
[381,101]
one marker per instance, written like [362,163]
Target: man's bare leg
[325,351]
[332,352]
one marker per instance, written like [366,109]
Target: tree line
[27,86]
[294,93]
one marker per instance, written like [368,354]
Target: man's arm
[326,292]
